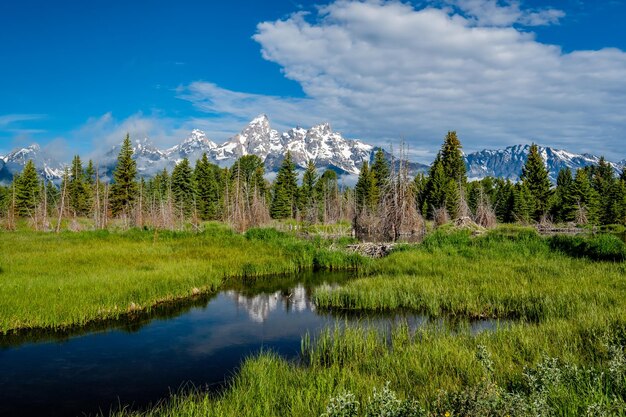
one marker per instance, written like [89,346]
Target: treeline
[591,195]
[386,203]
[239,195]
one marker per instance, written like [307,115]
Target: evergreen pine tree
[124,188]
[504,200]
[307,190]
[535,178]
[563,206]
[381,174]
[285,196]
[446,176]
[419,190]
[27,190]
[524,205]
[78,189]
[249,170]
[584,195]
[206,188]
[327,195]
[183,187]
[452,158]
[162,184]
[602,180]
[90,174]
[474,194]
[4,200]
[363,189]
[437,186]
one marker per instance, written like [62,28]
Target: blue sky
[75,75]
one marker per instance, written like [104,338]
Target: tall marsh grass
[564,357]
[499,275]
[518,371]
[53,281]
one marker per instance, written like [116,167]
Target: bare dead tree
[581,215]
[441,216]
[485,214]
[62,206]
[462,209]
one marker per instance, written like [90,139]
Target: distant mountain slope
[327,148]
[508,162]
[14,162]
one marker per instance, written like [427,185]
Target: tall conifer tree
[183,187]
[124,189]
[535,178]
[206,188]
[285,196]
[27,191]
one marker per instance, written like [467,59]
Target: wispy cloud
[504,13]
[11,119]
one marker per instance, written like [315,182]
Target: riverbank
[562,355]
[52,282]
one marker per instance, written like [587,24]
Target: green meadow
[560,352]
[558,304]
[55,281]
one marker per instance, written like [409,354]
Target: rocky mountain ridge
[321,144]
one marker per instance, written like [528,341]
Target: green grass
[435,367]
[563,353]
[70,279]
[500,275]
[564,356]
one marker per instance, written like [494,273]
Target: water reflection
[141,360]
[260,306]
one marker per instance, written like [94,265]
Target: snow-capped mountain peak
[257,138]
[320,144]
[14,162]
[24,154]
[508,162]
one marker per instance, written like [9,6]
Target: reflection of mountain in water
[260,306]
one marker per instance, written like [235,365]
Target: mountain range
[327,148]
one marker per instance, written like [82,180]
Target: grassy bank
[54,281]
[505,274]
[557,368]
[564,356]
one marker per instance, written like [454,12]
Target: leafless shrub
[485,214]
[462,207]
[581,215]
[441,216]
[396,215]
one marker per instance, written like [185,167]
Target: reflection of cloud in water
[259,307]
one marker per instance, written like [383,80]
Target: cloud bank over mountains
[386,71]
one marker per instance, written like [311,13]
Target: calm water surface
[137,364]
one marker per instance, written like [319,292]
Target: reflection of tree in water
[130,322]
[261,305]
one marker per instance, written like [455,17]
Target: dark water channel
[200,342]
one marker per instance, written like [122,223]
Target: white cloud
[386,70]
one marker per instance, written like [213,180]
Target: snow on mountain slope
[258,138]
[508,162]
[14,162]
[320,144]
